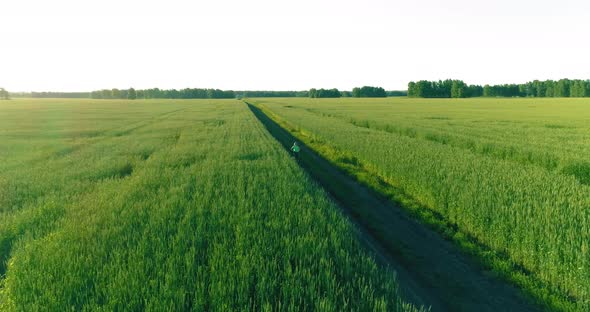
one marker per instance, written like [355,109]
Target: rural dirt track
[431,271]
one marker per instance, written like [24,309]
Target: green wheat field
[166,205]
[513,174]
[156,205]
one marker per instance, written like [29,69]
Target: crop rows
[168,205]
[452,157]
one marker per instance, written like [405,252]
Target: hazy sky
[80,45]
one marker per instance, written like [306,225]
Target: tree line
[4,95]
[443,89]
[192,93]
[156,93]
[547,88]
[459,89]
[365,91]
[324,93]
[272,93]
[199,93]
[397,93]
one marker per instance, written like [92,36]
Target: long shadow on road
[430,270]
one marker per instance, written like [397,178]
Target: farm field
[166,205]
[513,174]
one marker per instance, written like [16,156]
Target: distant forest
[459,89]
[365,91]
[424,89]
[156,93]
[196,93]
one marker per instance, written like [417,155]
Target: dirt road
[431,271]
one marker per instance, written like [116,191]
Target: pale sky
[83,45]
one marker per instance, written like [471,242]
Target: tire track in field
[430,270]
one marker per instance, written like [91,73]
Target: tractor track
[431,271]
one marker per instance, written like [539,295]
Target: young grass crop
[510,173]
[168,205]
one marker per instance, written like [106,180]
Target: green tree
[536,88]
[313,93]
[115,94]
[131,94]
[443,88]
[474,91]
[140,94]
[412,89]
[367,91]
[424,89]
[549,88]
[356,92]
[540,88]
[458,89]
[574,90]
[562,88]
[487,91]
[4,95]
[324,93]
[578,88]
[528,89]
